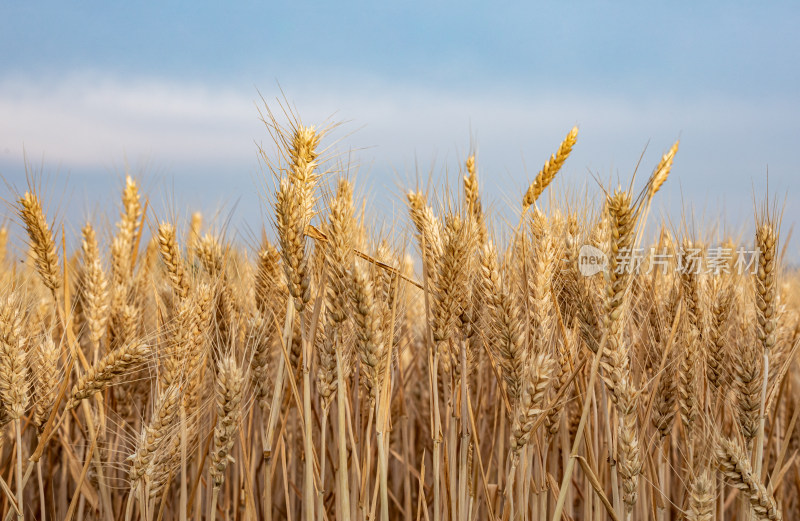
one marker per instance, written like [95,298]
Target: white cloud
[90,122]
[90,119]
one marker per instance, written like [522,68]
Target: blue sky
[169,91]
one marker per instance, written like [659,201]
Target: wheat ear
[688,397]
[747,373]
[303,163]
[628,452]
[42,242]
[155,434]
[369,330]
[735,466]
[13,366]
[259,339]
[3,247]
[291,219]
[44,367]
[701,498]
[766,302]
[13,379]
[766,284]
[173,261]
[268,278]
[338,253]
[717,355]
[550,169]
[101,374]
[507,325]
[229,402]
[450,294]
[473,199]
[428,230]
[661,173]
[622,219]
[193,236]
[538,374]
[95,287]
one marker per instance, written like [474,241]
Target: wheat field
[456,367]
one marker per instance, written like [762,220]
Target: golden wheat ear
[734,465]
[661,173]
[473,200]
[766,282]
[701,498]
[102,374]
[173,260]
[13,366]
[369,329]
[155,434]
[228,397]
[3,248]
[41,241]
[538,375]
[550,169]
[338,251]
[291,221]
[94,287]
[429,230]
[44,368]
